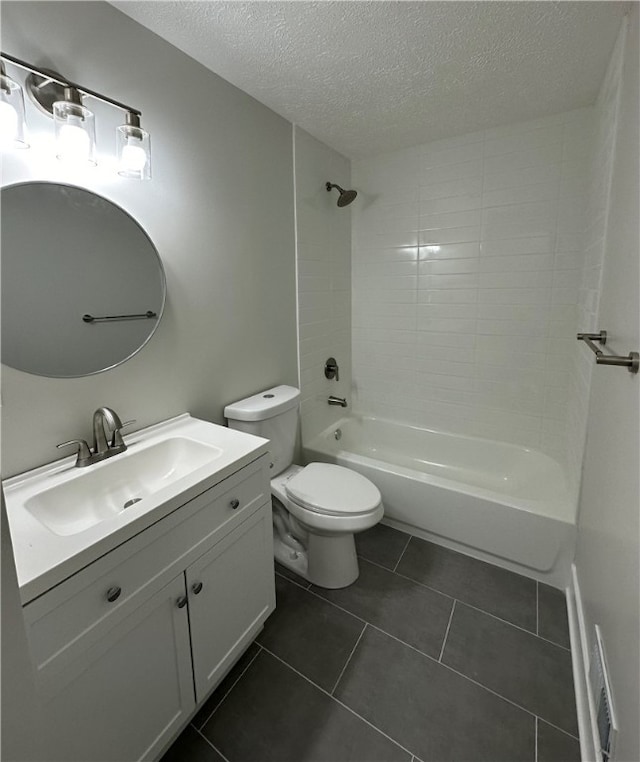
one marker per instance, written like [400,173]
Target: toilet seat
[331,490]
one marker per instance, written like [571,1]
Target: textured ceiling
[369,77]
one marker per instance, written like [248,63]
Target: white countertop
[44,558]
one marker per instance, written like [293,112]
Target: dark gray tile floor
[431,656]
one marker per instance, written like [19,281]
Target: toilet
[317,508]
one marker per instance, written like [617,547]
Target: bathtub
[499,502]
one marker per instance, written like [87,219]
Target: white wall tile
[484,335]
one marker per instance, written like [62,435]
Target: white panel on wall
[323,240]
[466,269]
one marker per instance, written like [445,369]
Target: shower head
[346,196]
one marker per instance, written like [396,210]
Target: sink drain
[131,502]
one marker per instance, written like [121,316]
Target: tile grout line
[337,700]
[517,626]
[346,664]
[202,735]
[444,595]
[427,656]
[537,608]
[477,608]
[559,729]
[536,741]
[444,642]
[235,682]
[402,554]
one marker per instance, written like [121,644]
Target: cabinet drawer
[65,615]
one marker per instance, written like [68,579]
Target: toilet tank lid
[263,405]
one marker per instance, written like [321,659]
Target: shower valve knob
[331,369]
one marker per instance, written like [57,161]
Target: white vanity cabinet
[127,648]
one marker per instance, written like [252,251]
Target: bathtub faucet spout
[337,401]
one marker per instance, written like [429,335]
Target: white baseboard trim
[585,707]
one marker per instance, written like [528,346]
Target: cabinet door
[125,695]
[231,593]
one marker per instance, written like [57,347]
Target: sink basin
[115,485]
[62,518]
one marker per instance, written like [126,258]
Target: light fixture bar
[66,83]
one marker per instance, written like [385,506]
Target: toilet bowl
[317,508]
[326,506]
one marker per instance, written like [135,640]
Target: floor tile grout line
[439,592]
[409,579]
[537,608]
[433,659]
[337,700]
[235,682]
[444,642]
[202,735]
[346,664]
[484,611]
[402,554]
[536,741]
[555,727]
[294,581]
[517,626]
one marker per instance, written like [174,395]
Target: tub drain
[133,501]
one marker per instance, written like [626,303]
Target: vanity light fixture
[74,123]
[133,146]
[75,129]
[12,122]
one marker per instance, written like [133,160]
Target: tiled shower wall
[323,242]
[466,265]
[605,121]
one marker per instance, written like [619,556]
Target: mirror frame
[163,277]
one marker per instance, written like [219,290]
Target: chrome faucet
[107,439]
[337,401]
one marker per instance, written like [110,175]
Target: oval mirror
[83,287]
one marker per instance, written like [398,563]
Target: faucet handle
[331,369]
[116,439]
[83,448]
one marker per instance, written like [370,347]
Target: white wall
[597,219]
[466,265]
[608,544]
[323,243]
[19,740]
[219,209]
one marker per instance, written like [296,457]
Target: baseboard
[585,707]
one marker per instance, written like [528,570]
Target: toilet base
[330,561]
[333,562]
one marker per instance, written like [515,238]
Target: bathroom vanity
[135,619]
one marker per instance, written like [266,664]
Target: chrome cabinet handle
[197,587]
[113,593]
[234,503]
[182,601]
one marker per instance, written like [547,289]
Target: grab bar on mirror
[106,318]
[630,361]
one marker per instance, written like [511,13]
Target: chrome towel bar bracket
[630,361]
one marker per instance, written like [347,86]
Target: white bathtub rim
[359,417]
[563,510]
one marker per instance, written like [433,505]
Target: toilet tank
[272,414]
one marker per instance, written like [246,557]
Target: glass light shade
[12,125]
[75,133]
[133,146]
